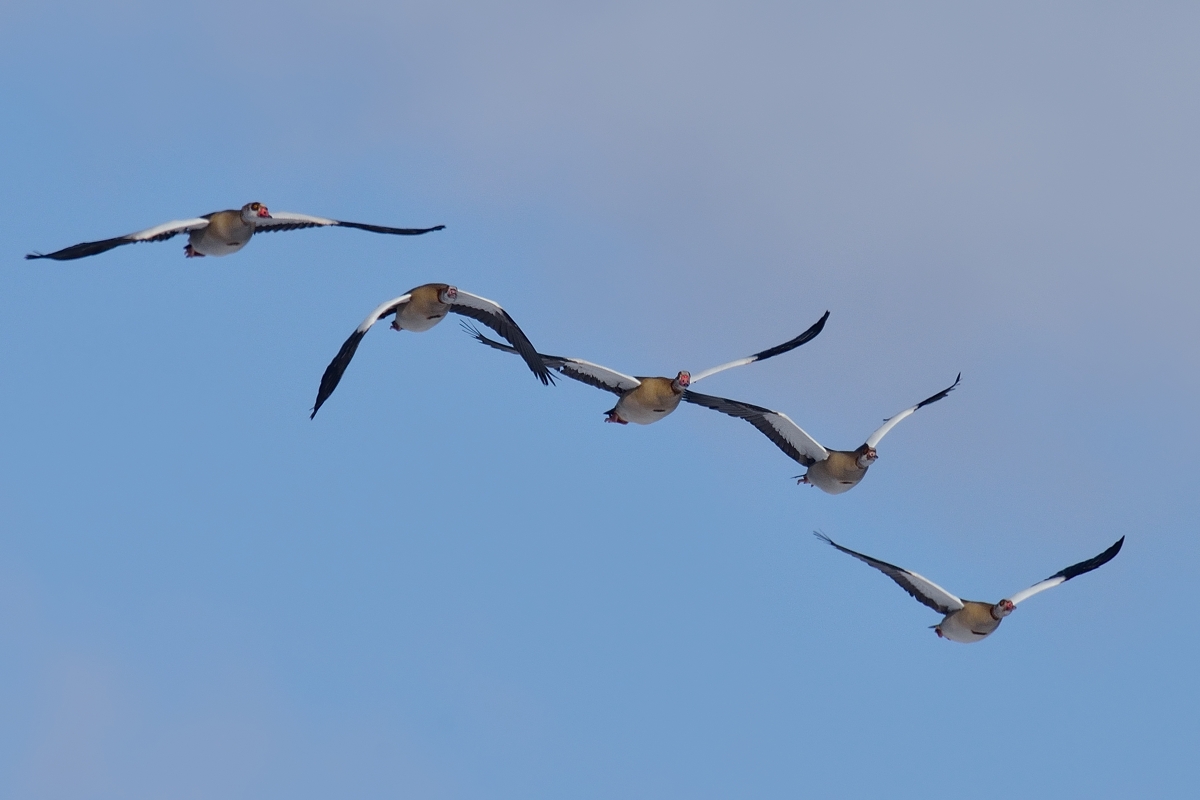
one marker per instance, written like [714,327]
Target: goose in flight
[419,310]
[831,471]
[222,232]
[969,620]
[647,400]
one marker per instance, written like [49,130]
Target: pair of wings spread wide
[278,221]
[619,383]
[466,304]
[930,594]
[778,427]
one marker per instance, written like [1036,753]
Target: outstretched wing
[577,369]
[159,233]
[290,221]
[333,373]
[770,352]
[787,435]
[1070,572]
[891,422]
[491,314]
[924,590]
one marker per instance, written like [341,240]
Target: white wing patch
[609,377]
[741,362]
[796,436]
[929,589]
[1025,594]
[890,423]
[1073,571]
[924,590]
[770,352]
[383,308]
[482,303]
[176,226]
[291,218]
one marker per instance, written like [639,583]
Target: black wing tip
[791,344]
[325,390]
[336,369]
[539,368]
[420,231]
[1095,562]
[821,535]
[31,256]
[942,393]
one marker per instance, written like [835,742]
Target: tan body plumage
[226,232]
[838,473]
[652,400]
[972,622]
[423,310]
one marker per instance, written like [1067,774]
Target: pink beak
[262,212]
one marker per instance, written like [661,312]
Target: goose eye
[254,206]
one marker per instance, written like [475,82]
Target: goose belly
[833,481]
[961,627]
[418,319]
[643,410]
[206,242]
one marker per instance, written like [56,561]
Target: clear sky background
[457,583]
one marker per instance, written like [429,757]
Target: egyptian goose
[969,620]
[831,471]
[419,310]
[647,400]
[222,232]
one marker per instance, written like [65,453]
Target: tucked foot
[803,479]
[938,631]
[192,252]
[612,417]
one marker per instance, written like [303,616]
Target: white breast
[633,411]
[956,630]
[410,319]
[206,244]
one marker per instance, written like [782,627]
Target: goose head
[1002,609]
[254,211]
[448,295]
[682,381]
[866,457]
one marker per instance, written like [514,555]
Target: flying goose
[222,232]
[647,400]
[419,310]
[969,620]
[831,471]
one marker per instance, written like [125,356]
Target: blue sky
[457,583]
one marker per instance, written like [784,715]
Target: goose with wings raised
[646,400]
[970,620]
[419,310]
[831,471]
[222,232]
